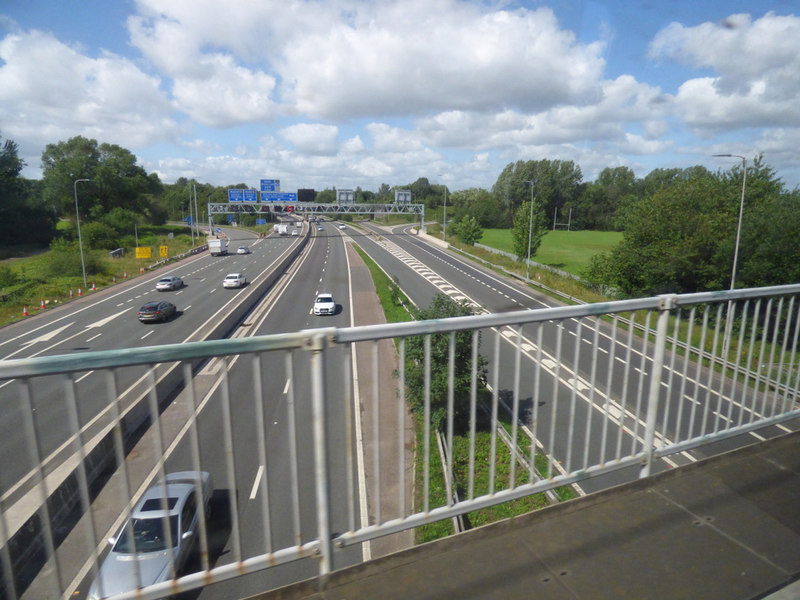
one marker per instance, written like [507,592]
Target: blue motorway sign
[250,196]
[261,221]
[270,185]
[236,195]
[279,197]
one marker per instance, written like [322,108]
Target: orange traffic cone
[70,293]
[80,293]
[94,287]
[42,304]
[24,311]
[125,275]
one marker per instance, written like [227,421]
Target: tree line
[679,225]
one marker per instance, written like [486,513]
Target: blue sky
[338,93]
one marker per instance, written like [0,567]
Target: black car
[158,310]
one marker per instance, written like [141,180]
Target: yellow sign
[163,251]
[144,252]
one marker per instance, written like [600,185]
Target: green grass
[393,300]
[569,251]
[38,282]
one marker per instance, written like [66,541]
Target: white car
[324,304]
[342,226]
[243,250]
[144,540]
[234,280]
[295,232]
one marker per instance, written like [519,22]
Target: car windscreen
[148,535]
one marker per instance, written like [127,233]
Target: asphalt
[724,528]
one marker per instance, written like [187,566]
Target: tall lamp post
[530,234]
[727,336]
[78,218]
[741,209]
[444,215]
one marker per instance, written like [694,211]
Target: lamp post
[530,235]
[78,218]
[726,338]
[444,215]
[741,209]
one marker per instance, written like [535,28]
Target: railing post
[665,305]
[317,344]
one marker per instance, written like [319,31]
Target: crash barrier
[560,397]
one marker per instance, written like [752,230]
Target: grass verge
[393,300]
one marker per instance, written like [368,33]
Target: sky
[348,93]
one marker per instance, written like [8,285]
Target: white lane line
[94,337]
[286,387]
[256,482]
[84,376]
[149,333]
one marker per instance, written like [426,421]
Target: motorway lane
[323,268]
[578,392]
[106,321]
[498,294]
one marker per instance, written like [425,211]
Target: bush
[99,236]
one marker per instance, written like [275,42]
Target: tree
[469,230]
[116,180]
[440,308]
[482,205]
[556,184]
[23,216]
[526,228]
[675,240]
[598,206]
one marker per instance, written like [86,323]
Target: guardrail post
[317,344]
[665,305]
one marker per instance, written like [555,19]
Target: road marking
[146,334]
[94,337]
[46,337]
[256,482]
[286,387]
[105,321]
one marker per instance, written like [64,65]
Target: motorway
[577,390]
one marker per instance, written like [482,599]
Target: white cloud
[400,58]
[50,91]
[757,67]
[312,138]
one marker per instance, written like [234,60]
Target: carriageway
[671,417]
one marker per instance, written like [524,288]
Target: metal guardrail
[584,391]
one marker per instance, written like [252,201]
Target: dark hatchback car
[158,310]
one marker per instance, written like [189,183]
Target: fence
[575,389]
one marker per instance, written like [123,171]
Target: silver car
[166,284]
[324,304]
[145,541]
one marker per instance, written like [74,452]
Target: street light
[444,215]
[741,209]
[530,234]
[728,317]
[78,217]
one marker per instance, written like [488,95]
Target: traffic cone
[42,304]
[113,279]
[80,293]
[94,287]
[70,293]
[141,270]
[24,311]
[125,275]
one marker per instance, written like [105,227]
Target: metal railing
[573,388]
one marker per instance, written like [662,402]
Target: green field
[569,251]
